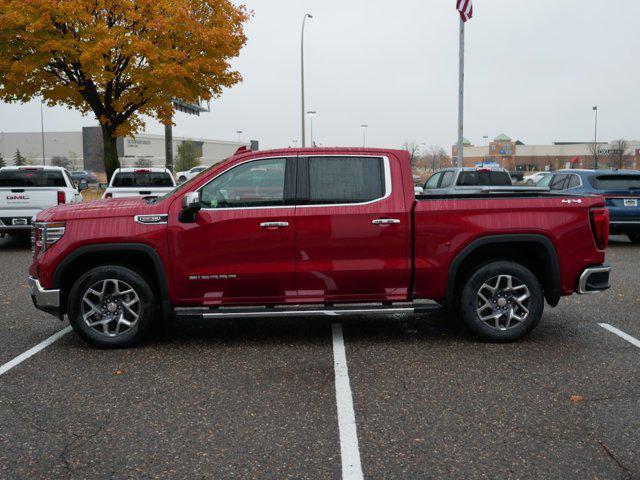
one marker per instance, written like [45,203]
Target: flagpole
[461,97]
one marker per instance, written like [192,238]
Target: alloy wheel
[111,307]
[503,302]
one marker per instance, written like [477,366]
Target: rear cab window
[32,177]
[142,178]
[484,179]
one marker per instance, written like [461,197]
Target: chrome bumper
[594,279]
[43,299]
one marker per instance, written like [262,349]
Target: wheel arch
[139,257]
[534,251]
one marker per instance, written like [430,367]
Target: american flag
[465,7]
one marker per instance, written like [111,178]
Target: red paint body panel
[443,228]
[326,253]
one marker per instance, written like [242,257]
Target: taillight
[600,227]
[61,197]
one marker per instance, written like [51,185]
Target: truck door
[240,249]
[351,229]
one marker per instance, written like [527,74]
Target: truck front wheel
[111,306]
[502,302]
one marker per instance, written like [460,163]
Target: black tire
[144,308]
[635,238]
[476,289]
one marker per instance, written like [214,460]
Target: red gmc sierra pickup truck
[315,232]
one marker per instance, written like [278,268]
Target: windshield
[616,182]
[142,179]
[31,178]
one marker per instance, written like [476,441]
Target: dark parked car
[80,175]
[620,188]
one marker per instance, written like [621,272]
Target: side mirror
[103,186]
[190,206]
[82,185]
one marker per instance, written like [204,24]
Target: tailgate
[20,199]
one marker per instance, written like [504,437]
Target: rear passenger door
[351,229]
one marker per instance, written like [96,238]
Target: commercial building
[515,155]
[84,148]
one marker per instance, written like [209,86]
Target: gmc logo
[17,197]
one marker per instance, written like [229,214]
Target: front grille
[33,240]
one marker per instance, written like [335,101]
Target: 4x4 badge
[572,200]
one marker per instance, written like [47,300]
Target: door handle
[386,221]
[274,224]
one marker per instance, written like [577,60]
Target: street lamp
[312,114]
[596,154]
[304,21]
[485,138]
[42,129]
[364,127]
[239,132]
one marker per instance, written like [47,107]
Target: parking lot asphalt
[257,399]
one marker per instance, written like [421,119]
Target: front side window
[447,179]
[433,181]
[253,184]
[334,180]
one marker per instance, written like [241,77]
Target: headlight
[46,234]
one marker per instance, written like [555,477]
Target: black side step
[302,310]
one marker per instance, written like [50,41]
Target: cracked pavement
[256,399]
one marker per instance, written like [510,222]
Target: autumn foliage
[119,59]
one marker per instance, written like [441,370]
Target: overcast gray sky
[534,70]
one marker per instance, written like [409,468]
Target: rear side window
[558,182]
[616,182]
[31,178]
[574,181]
[345,179]
[484,179]
[142,179]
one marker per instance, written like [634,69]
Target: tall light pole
[312,114]
[302,110]
[239,132]
[364,127]
[596,154]
[42,129]
[485,138]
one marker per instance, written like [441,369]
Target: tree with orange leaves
[119,59]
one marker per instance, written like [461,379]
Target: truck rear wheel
[111,306]
[502,302]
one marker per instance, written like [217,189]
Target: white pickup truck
[26,191]
[139,182]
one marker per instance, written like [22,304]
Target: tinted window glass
[484,179]
[433,181]
[546,180]
[447,179]
[31,178]
[616,182]
[253,184]
[557,183]
[142,179]
[345,179]
[574,181]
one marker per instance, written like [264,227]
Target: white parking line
[32,351]
[621,334]
[349,452]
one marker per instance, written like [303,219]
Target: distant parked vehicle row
[139,182]
[534,178]
[84,175]
[26,191]
[620,188]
